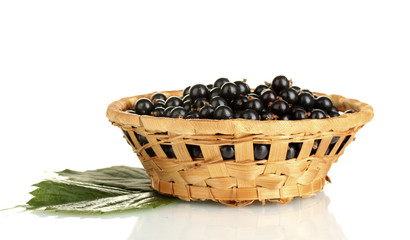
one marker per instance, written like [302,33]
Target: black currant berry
[258,90]
[237,114]
[218,101]
[158,103]
[250,114]
[239,103]
[192,114]
[255,104]
[210,86]
[296,88]
[206,112]
[285,116]
[334,109]
[187,105]
[280,107]
[200,102]
[243,87]
[334,114]
[159,96]
[143,106]
[223,112]
[298,114]
[186,91]
[229,91]
[290,95]
[268,96]
[228,152]
[197,91]
[349,111]
[168,151]
[142,140]
[324,103]
[220,81]
[168,110]
[293,150]
[194,151]
[334,140]
[158,112]
[306,100]
[268,115]
[261,151]
[173,102]
[216,91]
[186,97]
[279,83]
[178,112]
[317,114]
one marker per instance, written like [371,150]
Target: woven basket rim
[238,127]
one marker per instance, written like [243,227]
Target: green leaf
[111,189]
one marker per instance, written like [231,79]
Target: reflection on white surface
[300,219]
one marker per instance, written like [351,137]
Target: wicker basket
[242,180]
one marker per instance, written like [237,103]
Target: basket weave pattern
[242,180]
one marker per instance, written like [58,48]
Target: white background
[63,62]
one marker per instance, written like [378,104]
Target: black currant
[334,140]
[280,107]
[258,90]
[142,140]
[220,81]
[210,86]
[237,114]
[186,91]
[296,88]
[168,110]
[197,91]
[187,105]
[216,91]
[229,91]
[178,112]
[293,150]
[254,95]
[243,87]
[334,109]
[255,104]
[158,112]
[324,103]
[306,100]
[223,112]
[250,114]
[298,114]
[186,97]
[268,96]
[239,103]
[143,106]
[173,102]
[228,152]
[192,114]
[317,114]
[349,111]
[279,83]
[290,95]
[285,116]
[159,96]
[334,114]
[194,151]
[158,103]
[261,151]
[168,151]
[268,115]
[218,101]
[206,112]
[200,102]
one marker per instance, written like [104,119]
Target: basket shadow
[300,219]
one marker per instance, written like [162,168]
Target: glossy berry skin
[261,151]
[223,112]
[186,91]
[279,83]
[192,115]
[296,88]
[293,151]
[210,86]
[349,111]
[229,91]
[334,109]
[268,96]
[173,102]
[142,140]
[216,91]
[206,112]
[250,114]
[220,81]
[254,95]
[194,151]
[168,110]
[158,112]
[218,101]
[285,116]
[200,102]
[187,105]
[143,106]
[159,96]
[239,103]
[258,90]
[178,112]
[237,114]
[158,103]
[186,97]
[280,107]
[334,140]
[306,100]
[268,115]
[317,114]
[298,114]
[197,91]
[290,95]
[324,103]
[255,104]
[243,87]
[334,114]
[227,152]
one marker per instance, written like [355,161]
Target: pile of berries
[278,100]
